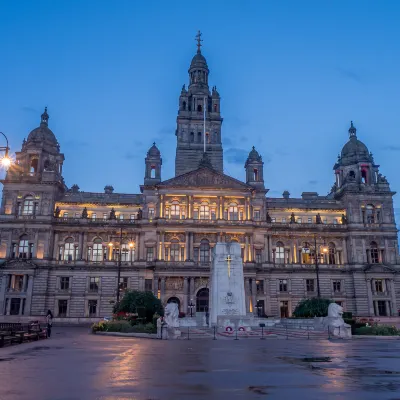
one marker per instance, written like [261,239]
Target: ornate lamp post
[6,160]
[191,306]
[258,307]
[316,248]
[119,240]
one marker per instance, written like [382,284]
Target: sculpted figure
[334,322]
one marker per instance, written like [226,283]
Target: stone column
[191,291]
[35,246]
[185,294]
[24,280]
[137,246]
[344,251]
[29,292]
[247,293]
[218,207]
[387,306]
[162,290]
[8,307]
[158,245]
[191,240]
[161,206]
[187,255]
[55,247]
[12,283]
[254,295]
[393,297]
[3,288]
[369,297]
[155,286]
[251,249]
[80,249]
[246,248]
[265,252]
[269,249]
[162,246]
[21,303]
[221,207]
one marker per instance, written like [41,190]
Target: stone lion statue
[334,322]
[171,314]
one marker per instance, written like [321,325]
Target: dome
[153,151]
[43,133]
[198,61]
[354,150]
[253,155]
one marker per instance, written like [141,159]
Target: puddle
[259,389]
[7,359]
[316,359]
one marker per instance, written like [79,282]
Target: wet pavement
[76,365]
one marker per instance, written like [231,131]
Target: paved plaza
[74,365]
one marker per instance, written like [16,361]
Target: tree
[310,308]
[143,303]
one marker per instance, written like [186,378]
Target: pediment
[205,177]
[380,268]
[19,264]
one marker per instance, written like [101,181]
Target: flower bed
[123,326]
[378,330]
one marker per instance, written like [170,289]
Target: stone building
[71,251]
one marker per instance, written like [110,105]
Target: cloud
[349,74]
[29,110]
[236,156]
[391,148]
[312,182]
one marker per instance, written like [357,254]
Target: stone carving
[57,212]
[344,219]
[174,284]
[292,218]
[205,177]
[318,219]
[211,237]
[234,238]
[171,314]
[140,214]
[171,236]
[199,282]
[84,213]
[269,219]
[382,179]
[334,322]
[112,214]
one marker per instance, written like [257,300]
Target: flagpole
[204,124]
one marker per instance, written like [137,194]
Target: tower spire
[199,40]
[352,130]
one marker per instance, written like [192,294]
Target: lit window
[151,212]
[23,248]
[299,220]
[69,250]
[283,220]
[94,216]
[280,253]
[256,215]
[132,217]
[175,250]
[204,212]
[77,215]
[309,220]
[273,219]
[370,214]
[65,215]
[121,216]
[175,211]
[97,250]
[28,206]
[150,254]
[233,212]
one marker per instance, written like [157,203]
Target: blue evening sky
[291,74]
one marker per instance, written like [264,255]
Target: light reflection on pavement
[74,365]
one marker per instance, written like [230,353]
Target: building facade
[72,251]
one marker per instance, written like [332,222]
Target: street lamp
[6,160]
[119,239]
[191,306]
[325,249]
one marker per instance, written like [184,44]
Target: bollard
[188,334]
[161,332]
[329,333]
[308,332]
[287,335]
[236,338]
[214,333]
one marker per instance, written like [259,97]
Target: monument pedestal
[227,298]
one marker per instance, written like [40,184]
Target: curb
[135,335]
[376,337]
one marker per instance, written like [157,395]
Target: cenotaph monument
[227,298]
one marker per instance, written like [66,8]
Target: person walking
[49,319]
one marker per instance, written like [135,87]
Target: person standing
[49,319]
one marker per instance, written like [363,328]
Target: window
[62,308]
[65,215]
[258,256]
[191,137]
[14,306]
[151,212]
[381,308]
[374,253]
[196,253]
[364,175]
[335,221]
[299,220]
[233,212]
[213,214]
[94,284]
[370,212]
[283,220]
[284,309]
[255,174]
[125,252]
[204,251]
[204,212]
[273,219]
[69,250]
[309,220]
[310,285]
[283,287]
[175,211]
[121,216]
[152,171]
[331,254]
[150,254]
[34,166]
[28,206]
[77,215]
[280,253]
[18,283]
[378,286]
[64,283]
[123,283]
[23,248]
[175,250]
[93,216]
[105,216]
[132,217]
[260,286]
[92,306]
[97,250]
[337,286]
[148,285]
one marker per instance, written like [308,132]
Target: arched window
[69,250]
[184,106]
[191,139]
[204,251]
[153,172]
[199,108]
[331,253]
[204,211]
[233,212]
[215,108]
[97,250]
[23,247]
[125,250]
[352,175]
[280,253]
[255,174]
[175,249]
[364,175]
[374,253]
[34,166]
[175,209]
[370,212]
[28,206]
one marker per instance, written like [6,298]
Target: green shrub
[148,328]
[310,308]
[145,304]
[347,315]
[118,326]
[378,330]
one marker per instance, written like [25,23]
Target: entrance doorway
[176,301]
[260,308]
[202,300]
[284,309]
